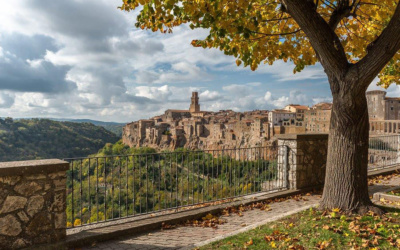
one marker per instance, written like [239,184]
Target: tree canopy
[256,31]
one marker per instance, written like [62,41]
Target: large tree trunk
[346,184]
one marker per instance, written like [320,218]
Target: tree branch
[381,50]
[322,37]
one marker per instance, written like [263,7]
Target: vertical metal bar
[105,188]
[222,174]
[168,205]
[97,190]
[89,198]
[72,194]
[80,180]
[176,180]
[188,181]
[193,176]
[182,185]
[198,176]
[257,157]
[153,181]
[147,183]
[119,183]
[133,187]
[126,185]
[212,175]
[233,159]
[203,175]
[159,183]
[140,184]
[112,187]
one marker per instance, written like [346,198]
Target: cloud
[85,59]
[181,72]
[6,100]
[237,89]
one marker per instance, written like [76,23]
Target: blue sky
[85,59]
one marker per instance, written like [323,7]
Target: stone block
[36,177]
[10,180]
[23,216]
[58,204]
[40,223]
[55,175]
[27,188]
[60,220]
[13,203]
[60,184]
[10,226]
[35,204]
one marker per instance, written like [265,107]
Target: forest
[30,139]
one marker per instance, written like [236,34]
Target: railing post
[32,204]
[285,156]
[398,149]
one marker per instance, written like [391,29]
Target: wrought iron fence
[383,151]
[111,187]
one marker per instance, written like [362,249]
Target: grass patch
[313,229]
[394,192]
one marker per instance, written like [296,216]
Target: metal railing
[383,152]
[118,186]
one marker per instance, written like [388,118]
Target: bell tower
[194,104]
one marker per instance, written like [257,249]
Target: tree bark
[346,185]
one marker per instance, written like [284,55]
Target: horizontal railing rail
[105,188]
[383,151]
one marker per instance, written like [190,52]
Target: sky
[85,59]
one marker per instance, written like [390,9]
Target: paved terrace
[188,237]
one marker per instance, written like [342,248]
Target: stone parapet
[304,156]
[32,203]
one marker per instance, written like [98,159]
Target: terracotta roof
[323,105]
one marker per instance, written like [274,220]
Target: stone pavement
[186,237]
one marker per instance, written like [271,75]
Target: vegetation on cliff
[28,139]
[120,181]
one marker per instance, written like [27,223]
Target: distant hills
[25,139]
[114,127]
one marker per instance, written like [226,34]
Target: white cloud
[71,62]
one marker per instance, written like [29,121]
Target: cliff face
[200,130]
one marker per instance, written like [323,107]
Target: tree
[354,40]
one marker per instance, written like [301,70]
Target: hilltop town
[197,129]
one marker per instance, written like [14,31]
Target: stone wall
[32,203]
[306,159]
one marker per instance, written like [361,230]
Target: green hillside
[114,127]
[26,139]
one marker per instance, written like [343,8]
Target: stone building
[384,113]
[277,116]
[381,107]
[198,129]
[298,109]
[317,118]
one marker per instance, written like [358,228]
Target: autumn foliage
[261,31]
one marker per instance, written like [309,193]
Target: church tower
[194,104]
